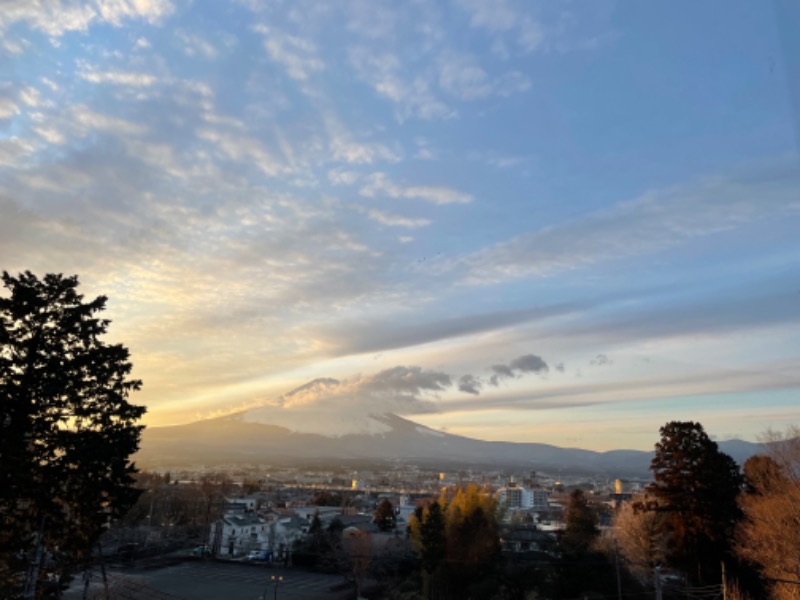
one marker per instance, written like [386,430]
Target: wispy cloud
[379,184]
[8,108]
[243,148]
[193,44]
[57,17]
[305,190]
[396,220]
[414,97]
[297,55]
[117,77]
[344,148]
[511,26]
[462,77]
[655,221]
[401,389]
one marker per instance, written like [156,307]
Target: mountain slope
[240,439]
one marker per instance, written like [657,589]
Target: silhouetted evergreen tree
[67,429]
[580,525]
[384,516]
[696,486]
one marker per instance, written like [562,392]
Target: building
[238,534]
[517,497]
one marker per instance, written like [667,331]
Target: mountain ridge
[234,439]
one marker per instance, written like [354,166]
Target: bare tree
[641,536]
[358,545]
[769,534]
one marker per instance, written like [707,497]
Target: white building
[517,497]
[238,534]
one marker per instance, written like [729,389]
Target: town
[272,517]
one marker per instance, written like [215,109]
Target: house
[237,534]
[527,541]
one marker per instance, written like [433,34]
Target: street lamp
[274,580]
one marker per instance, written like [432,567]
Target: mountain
[245,438]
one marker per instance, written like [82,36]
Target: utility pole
[724,583]
[658,582]
[36,566]
[616,563]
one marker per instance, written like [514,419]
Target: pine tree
[696,486]
[580,521]
[67,429]
[384,516]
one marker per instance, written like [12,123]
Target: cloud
[378,184]
[116,77]
[297,55]
[384,72]
[396,220]
[601,360]
[371,19]
[57,17]
[8,108]
[529,363]
[13,46]
[83,120]
[343,177]
[506,23]
[401,389]
[462,77]
[30,96]
[360,154]
[361,335]
[344,148]
[193,44]
[470,384]
[655,221]
[245,149]
[705,382]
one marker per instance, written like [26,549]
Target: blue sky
[564,222]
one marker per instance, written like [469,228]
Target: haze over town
[534,223]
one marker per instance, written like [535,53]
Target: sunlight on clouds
[57,17]
[8,108]
[243,181]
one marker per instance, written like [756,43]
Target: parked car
[201,551]
[258,555]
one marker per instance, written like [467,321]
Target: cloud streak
[654,222]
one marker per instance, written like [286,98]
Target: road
[210,580]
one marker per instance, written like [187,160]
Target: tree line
[714,523]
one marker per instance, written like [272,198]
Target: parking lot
[212,580]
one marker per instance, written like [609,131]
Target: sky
[538,221]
